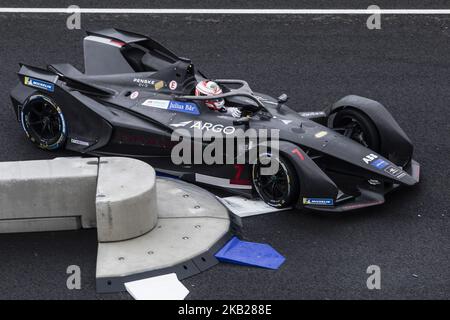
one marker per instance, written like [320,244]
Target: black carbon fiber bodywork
[110,109]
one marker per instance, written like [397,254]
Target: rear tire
[279,190]
[357,126]
[43,122]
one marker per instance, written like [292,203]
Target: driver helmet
[210,88]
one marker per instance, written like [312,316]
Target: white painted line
[219,182]
[243,207]
[228,11]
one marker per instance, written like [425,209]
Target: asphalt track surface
[316,60]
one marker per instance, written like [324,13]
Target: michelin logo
[318,201]
[47,86]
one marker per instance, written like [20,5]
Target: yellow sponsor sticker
[321,134]
[159,85]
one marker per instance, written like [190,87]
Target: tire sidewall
[293,189]
[25,110]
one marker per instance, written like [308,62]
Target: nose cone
[374,162]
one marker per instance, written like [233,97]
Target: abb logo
[369,158]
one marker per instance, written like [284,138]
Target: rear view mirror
[283,98]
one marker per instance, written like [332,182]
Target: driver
[210,88]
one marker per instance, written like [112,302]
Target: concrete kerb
[146,225]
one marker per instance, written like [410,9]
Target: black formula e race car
[134,93]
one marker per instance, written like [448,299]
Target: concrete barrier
[146,226]
[126,199]
[48,195]
[192,226]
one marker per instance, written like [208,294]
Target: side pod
[84,116]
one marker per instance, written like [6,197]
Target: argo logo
[206,126]
[213,127]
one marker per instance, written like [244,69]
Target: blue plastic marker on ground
[250,254]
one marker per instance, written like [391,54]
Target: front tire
[43,122]
[357,126]
[279,190]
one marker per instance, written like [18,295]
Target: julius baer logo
[47,86]
[177,106]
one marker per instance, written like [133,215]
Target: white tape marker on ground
[229,11]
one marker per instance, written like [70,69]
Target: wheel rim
[44,122]
[272,188]
[353,129]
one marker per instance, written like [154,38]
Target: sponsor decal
[213,127]
[318,201]
[369,158]
[379,164]
[173,85]
[159,85]
[79,142]
[146,83]
[143,82]
[160,104]
[177,106]
[181,124]
[314,114]
[186,107]
[320,134]
[44,85]
[393,171]
[134,95]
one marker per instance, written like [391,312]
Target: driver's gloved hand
[234,112]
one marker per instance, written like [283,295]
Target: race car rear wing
[127,37]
